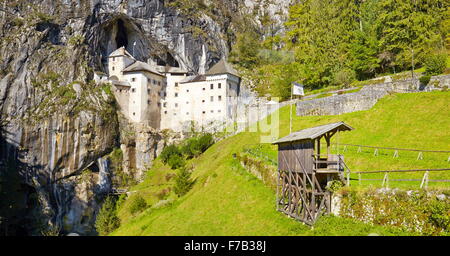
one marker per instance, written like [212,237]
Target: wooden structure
[303,172]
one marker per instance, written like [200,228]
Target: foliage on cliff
[70,99]
[329,38]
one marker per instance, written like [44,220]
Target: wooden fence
[420,152]
[385,181]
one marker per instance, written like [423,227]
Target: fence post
[359,149]
[348,178]
[396,154]
[420,156]
[448,160]
[345,149]
[424,182]
[359,178]
[385,180]
[376,152]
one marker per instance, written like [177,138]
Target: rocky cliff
[57,126]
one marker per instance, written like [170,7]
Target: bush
[183,182]
[425,79]
[435,64]
[440,214]
[107,220]
[205,141]
[175,162]
[137,204]
[345,77]
[168,152]
[191,148]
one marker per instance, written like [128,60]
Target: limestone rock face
[51,129]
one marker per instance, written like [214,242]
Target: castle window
[212,98]
[113,68]
[212,111]
[148,91]
[154,81]
[165,112]
[133,90]
[204,112]
[159,104]
[176,84]
[219,110]
[203,101]
[174,114]
[149,102]
[220,86]
[114,58]
[187,90]
[165,104]
[187,102]
[176,94]
[134,113]
[187,113]
[159,82]
[220,98]
[133,79]
[212,86]
[204,89]
[176,105]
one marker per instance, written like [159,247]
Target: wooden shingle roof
[314,132]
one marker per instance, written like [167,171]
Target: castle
[169,97]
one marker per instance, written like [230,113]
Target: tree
[137,204]
[435,64]
[245,51]
[107,220]
[183,182]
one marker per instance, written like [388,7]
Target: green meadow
[227,200]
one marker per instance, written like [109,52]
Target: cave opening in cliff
[122,35]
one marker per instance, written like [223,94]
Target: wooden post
[359,150]
[345,149]
[376,152]
[327,139]
[424,182]
[385,180]
[359,178]
[396,154]
[348,178]
[420,156]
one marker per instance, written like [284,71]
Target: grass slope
[226,200]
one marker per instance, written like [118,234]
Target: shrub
[107,220]
[345,77]
[168,152]
[176,161]
[435,64]
[205,141]
[425,79]
[183,182]
[440,214]
[334,186]
[137,204]
[191,148]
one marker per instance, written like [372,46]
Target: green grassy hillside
[226,200]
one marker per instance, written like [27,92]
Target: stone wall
[367,97]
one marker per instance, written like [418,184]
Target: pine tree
[107,220]
[183,182]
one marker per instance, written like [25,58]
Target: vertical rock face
[53,132]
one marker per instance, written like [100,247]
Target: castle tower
[118,61]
